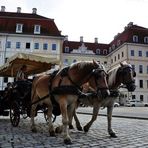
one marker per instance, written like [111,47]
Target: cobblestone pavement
[132,133]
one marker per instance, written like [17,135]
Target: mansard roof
[90,46]
[127,35]
[8,21]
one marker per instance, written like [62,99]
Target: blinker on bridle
[123,75]
[95,73]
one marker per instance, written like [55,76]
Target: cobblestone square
[132,133]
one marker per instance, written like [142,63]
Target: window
[37,29]
[115,58]
[6,59]
[118,56]
[140,68]
[141,97]
[19,28]
[133,67]
[110,49]
[146,83]
[27,45]
[5,79]
[18,45]
[135,38]
[97,51]
[118,42]
[45,46]
[66,49]
[132,53]
[146,53]
[122,54]
[111,60]
[8,44]
[133,97]
[146,39]
[54,46]
[141,83]
[74,61]
[140,53]
[104,51]
[36,45]
[113,46]
[66,62]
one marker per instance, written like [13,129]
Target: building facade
[27,33]
[33,33]
[131,45]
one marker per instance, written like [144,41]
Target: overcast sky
[88,18]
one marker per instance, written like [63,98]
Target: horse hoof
[71,127]
[34,130]
[52,134]
[67,141]
[58,130]
[85,129]
[80,128]
[113,135]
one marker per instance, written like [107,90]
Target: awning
[35,64]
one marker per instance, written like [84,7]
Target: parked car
[136,103]
[116,104]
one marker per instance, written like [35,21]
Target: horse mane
[87,64]
[81,65]
[113,73]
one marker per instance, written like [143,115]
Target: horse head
[127,75]
[99,81]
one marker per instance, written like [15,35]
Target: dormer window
[118,42]
[105,51]
[66,49]
[37,29]
[113,46]
[146,39]
[97,51]
[135,38]
[19,28]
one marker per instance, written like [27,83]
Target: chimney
[66,38]
[130,24]
[2,8]
[96,40]
[18,9]
[34,11]
[81,38]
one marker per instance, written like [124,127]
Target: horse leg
[49,119]
[109,118]
[72,113]
[70,121]
[32,114]
[65,121]
[78,125]
[94,117]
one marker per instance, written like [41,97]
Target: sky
[88,18]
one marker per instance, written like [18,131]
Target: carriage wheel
[14,114]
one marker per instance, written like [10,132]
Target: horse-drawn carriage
[15,99]
[64,91]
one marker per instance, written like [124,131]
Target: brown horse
[63,89]
[122,74]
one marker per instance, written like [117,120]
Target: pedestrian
[21,74]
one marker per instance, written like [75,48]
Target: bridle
[95,75]
[125,82]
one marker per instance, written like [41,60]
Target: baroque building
[131,45]
[27,33]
